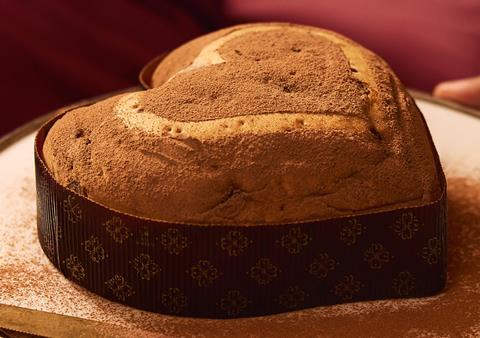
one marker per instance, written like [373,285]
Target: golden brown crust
[261,123]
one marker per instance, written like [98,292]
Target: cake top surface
[266,69]
[255,123]
[286,72]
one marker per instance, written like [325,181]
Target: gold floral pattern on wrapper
[350,232]
[321,266]
[404,283]
[204,273]
[174,300]
[94,248]
[233,303]
[75,267]
[347,287]
[264,271]
[432,251]
[407,225]
[40,206]
[295,240]
[144,238]
[72,209]
[117,229]
[119,287]
[292,298]
[234,243]
[145,267]
[48,246]
[173,241]
[59,233]
[376,256]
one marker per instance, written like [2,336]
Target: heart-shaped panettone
[272,167]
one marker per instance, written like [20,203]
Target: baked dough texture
[253,124]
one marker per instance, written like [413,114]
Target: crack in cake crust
[130,111]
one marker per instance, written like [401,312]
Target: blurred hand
[466,91]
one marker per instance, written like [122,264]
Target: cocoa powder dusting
[265,72]
[28,280]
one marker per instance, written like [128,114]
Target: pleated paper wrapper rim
[225,271]
[146,74]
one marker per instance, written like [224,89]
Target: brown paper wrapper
[146,74]
[220,271]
